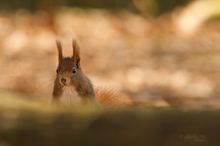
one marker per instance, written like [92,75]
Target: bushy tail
[108,97]
[111,98]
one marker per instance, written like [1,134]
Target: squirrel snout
[64,81]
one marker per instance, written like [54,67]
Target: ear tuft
[75,49]
[59,48]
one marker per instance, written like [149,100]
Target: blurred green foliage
[158,7]
[166,6]
[18,4]
[37,4]
[161,6]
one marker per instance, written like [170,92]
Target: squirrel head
[68,69]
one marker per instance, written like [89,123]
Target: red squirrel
[69,73]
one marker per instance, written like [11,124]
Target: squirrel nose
[63,80]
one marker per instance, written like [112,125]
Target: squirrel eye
[74,71]
[57,70]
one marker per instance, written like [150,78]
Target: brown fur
[69,73]
[112,98]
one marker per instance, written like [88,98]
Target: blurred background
[154,51]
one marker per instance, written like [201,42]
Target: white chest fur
[70,96]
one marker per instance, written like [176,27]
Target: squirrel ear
[75,49]
[59,47]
